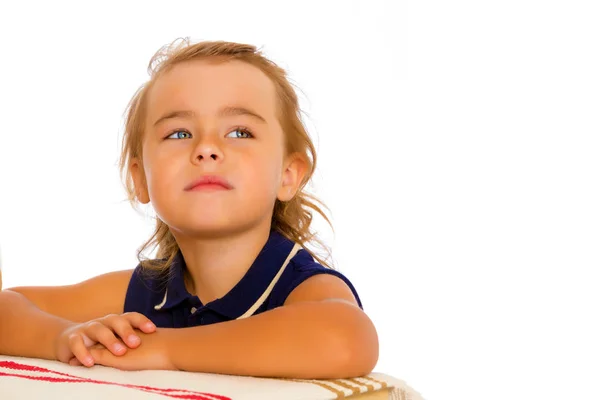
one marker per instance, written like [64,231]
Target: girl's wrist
[169,344]
[57,336]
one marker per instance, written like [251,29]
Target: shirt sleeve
[302,267]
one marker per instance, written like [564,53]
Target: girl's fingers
[75,362]
[123,325]
[100,333]
[123,329]
[79,350]
[140,321]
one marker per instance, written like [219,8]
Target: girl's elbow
[358,346]
[361,354]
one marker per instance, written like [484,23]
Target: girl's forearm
[312,340]
[25,330]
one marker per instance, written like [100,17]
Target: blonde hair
[291,218]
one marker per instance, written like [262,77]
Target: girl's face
[207,119]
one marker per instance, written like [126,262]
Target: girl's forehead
[206,87]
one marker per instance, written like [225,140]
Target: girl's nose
[208,150]
[212,156]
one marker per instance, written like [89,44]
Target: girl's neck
[216,265]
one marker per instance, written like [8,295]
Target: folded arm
[31,318]
[319,333]
[319,339]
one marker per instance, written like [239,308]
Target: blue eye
[177,132]
[240,132]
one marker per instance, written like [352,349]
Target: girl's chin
[202,229]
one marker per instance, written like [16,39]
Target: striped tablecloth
[30,378]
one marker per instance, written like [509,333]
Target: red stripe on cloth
[67,378]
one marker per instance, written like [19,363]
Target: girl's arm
[25,330]
[310,340]
[319,333]
[32,317]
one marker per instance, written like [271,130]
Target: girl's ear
[294,170]
[139,181]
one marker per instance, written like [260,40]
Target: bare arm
[25,330]
[319,333]
[32,317]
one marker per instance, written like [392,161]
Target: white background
[458,151]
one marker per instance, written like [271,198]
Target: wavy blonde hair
[291,218]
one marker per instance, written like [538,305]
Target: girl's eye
[177,132]
[240,132]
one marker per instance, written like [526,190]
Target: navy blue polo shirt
[278,269]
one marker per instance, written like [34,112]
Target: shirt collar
[246,292]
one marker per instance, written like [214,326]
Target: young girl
[214,141]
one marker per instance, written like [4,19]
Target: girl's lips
[209,182]
[212,186]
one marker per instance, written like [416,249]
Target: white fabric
[29,378]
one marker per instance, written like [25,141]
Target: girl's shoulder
[301,267]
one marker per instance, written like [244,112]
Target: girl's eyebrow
[226,111]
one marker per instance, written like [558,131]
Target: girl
[214,141]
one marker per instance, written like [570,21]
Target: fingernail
[119,347]
[88,360]
[133,338]
[150,325]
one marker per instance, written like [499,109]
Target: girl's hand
[75,341]
[153,353]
